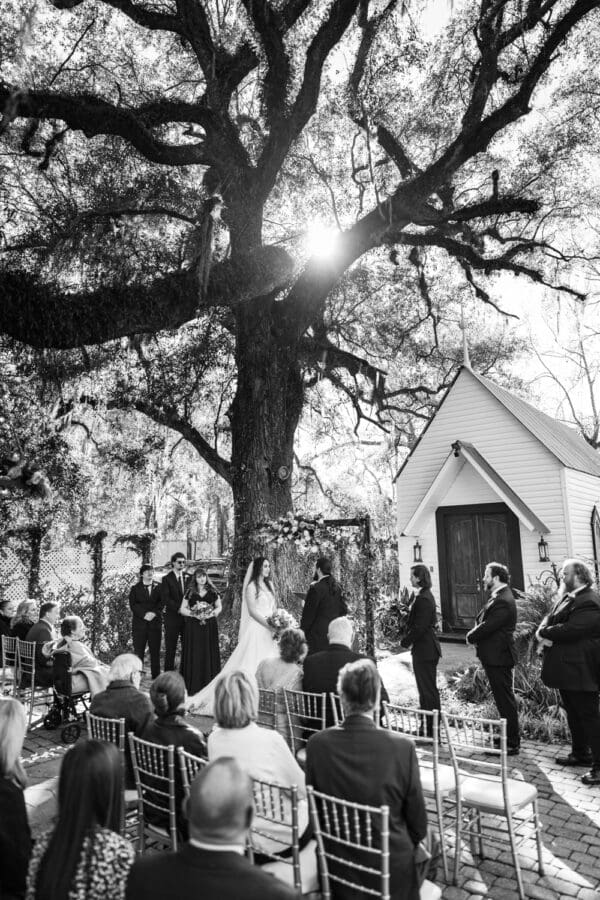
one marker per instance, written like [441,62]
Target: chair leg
[440,818]
[513,847]
[480,836]
[538,836]
[457,844]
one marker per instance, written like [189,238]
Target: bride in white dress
[255,637]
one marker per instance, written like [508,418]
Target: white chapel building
[493,478]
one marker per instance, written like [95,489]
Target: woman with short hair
[84,857]
[284,672]
[15,836]
[263,753]
[421,637]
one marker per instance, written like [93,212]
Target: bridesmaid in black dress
[200,659]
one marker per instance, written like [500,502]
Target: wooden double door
[469,537]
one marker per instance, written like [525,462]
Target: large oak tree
[201,114]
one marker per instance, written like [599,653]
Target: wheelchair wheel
[52,719]
[70,733]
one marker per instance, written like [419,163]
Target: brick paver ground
[569,811]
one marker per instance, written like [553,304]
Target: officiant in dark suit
[323,603]
[146,604]
[172,589]
[493,636]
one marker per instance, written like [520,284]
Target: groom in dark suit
[172,589]
[323,603]
[212,864]
[493,636]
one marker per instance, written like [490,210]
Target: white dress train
[255,643]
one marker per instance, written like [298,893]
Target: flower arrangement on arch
[279,621]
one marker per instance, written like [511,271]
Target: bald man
[212,865]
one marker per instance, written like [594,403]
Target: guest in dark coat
[15,837]
[493,636]
[172,589]
[24,619]
[123,699]
[323,603]
[359,762]
[7,611]
[569,637]
[146,603]
[42,634]
[321,670]
[212,864]
[168,696]
[422,638]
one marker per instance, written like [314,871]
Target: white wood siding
[470,413]
[582,494]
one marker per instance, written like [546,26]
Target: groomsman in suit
[493,636]
[145,602]
[323,603]
[360,762]
[172,589]
[212,864]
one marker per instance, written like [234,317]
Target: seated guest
[285,671]
[84,857]
[7,611]
[168,696]
[24,619]
[263,753]
[360,762]
[212,864]
[15,837]
[321,669]
[88,672]
[123,699]
[44,636]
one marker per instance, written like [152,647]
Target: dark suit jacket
[359,762]
[195,874]
[140,604]
[321,672]
[171,594]
[421,623]
[573,626]
[41,633]
[323,603]
[493,635]
[121,700]
[15,841]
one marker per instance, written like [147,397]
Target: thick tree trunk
[264,418]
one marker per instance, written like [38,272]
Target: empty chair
[306,715]
[353,848]
[437,780]
[189,766]
[154,773]
[478,752]
[9,664]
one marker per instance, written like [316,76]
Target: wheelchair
[66,708]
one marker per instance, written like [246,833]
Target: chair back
[353,845]
[421,724]
[306,715]
[26,661]
[189,766]
[62,673]
[154,773]
[275,804]
[267,709]
[470,739]
[337,710]
[110,730]
[9,660]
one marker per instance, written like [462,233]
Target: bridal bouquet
[279,621]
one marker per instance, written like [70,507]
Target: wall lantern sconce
[417,557]
[543,549]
